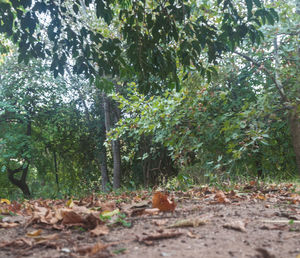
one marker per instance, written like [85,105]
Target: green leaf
[270,18]
[208,75]
[257,3]
[274,13]
[99,8]
[25,3]
[75,8]
[249,4]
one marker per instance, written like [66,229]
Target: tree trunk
[117,163]
[117,150]
[56,170]
[294,120]
[103,159]
[21,183]
[104,172]
[116,153]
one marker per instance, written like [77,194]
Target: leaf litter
[200,222]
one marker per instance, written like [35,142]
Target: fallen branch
[161,236]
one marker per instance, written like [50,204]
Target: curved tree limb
[277,83]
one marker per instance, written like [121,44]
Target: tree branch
[267,72]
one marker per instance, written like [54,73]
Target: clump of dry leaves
[97,214]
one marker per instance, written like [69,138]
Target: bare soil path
[250,221]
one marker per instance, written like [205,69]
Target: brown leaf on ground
[260,196]
[46,239]
[92,250]
[6,207]
[220,197]
[15,207]
[4,210]
[294,198]
[17,219]
[82,209]
[142,204]
[18,243]
[97,204]
[160,222]
[161,201]
[100,230]
[135,212]
[42,211]
[8,225]
[281,234]
[108,206]
[91,221]
[153,211]
[236,225]
[34,233]
[191,222]
[191,234]
[71,217]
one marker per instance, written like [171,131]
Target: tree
[281,66]
[156,35]
[24,96]
[46,136]
[96,125]
[156,42]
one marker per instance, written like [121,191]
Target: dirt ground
[251,223]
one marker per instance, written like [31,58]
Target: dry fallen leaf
[135,212]
[5,201]
[46,239]
[71,217]
[142,204]
[191,234]
[261,197]
[19,219]
[108,206]
[100,230]
[70,203]
[34,233]
[153,211]
[192,222]
[236,225]
[220,197]
[161,201]
[91,221]
[110,213]
[8,225]
[18,243]
[160,222]
[92,250]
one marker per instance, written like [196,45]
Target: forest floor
[252,220]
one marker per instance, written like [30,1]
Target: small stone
[66,250]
